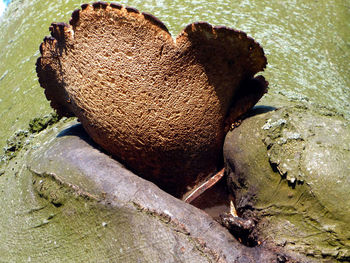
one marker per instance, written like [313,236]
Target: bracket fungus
[162,106]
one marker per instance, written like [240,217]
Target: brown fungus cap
[159,105]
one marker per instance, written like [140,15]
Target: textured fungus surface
[159,105]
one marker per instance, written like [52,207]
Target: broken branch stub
[159,105]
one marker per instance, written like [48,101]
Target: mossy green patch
[22,138]
[14,144]
[40,123]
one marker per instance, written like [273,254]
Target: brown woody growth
[159,105]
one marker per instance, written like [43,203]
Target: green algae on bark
[14,144]
[40,123]
[289,171]
[22,138]
[35,229]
